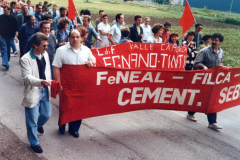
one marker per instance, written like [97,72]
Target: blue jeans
[5,49]
[13,46]
[37,116]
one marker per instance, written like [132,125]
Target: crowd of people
[48,39]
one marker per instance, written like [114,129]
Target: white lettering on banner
[129,77]
[229,94]
[149,60]
[107,51]
[207,78]
[159,95]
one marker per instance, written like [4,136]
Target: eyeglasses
[44,45]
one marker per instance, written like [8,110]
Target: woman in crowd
[205,42]
[157,30]
[173,39]
[62,32]
[192,51]
[84,34]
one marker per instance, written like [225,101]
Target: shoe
[74,134]
[62,129]
[40,130]
[6,67]
[15,53]
[37,148]
[192,118]
[214,126]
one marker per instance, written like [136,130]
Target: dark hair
[55,4]
[74,30]
[12,3]
[83,30]
[62,9]
[173,34]
[38,6]
[42,23]
[25,5]
[100,11]
[156,27]
[28,1]
[45,2]
[191,33]
[62,23]
[219,36]
[47,17]
[88,17]
[125,31]
[105,15]
[198,24]
[38,37]
[87,12]
[82,11]
[45,9]
[137,16]
[28,17]
[118,16]
[206,37]
[8,8]
[167,23]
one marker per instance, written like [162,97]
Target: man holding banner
[74,54]
[207,58]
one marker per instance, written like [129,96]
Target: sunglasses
[44,45]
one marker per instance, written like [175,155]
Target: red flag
[187,18]
[71,9]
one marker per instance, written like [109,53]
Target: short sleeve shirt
[116,33]
[66,55]
[105,28]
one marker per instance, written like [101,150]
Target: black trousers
[212,117]
[73,126]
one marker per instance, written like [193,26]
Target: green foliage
[232,21]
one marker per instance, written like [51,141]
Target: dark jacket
[8,26]
[21,20]
[134,34]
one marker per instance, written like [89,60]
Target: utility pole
[231,6]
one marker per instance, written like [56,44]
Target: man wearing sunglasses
[36,73]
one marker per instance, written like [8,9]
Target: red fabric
[89,92]
[55,88]
[71,9]
[187,18]
[142,56]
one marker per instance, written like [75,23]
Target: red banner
[159,56]
[89,92]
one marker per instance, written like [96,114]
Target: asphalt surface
[139,135]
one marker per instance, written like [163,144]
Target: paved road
[140,135]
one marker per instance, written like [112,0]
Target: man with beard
[22,18]
[207,58]
[45,28]
[25,32]
[63,14]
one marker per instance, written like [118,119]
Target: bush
[232,21]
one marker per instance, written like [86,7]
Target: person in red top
[166,34]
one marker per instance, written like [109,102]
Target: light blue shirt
[30,10]
[147,31]
[57,12]
[152,40]
[1,10]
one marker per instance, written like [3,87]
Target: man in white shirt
[75,54]
[147,32]
[103,31]
[115,31]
